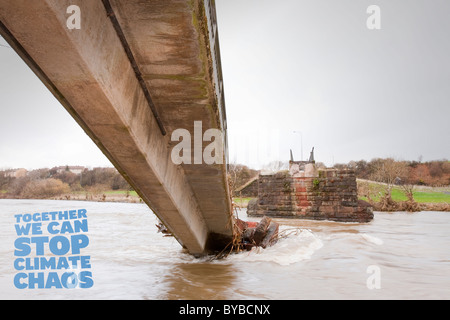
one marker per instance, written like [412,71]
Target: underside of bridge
[132,73]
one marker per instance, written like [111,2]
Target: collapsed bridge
[130,73]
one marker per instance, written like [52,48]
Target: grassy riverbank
[424,195]
[428,198]
[105,196]
[241,202]
[97,196]
[419,196]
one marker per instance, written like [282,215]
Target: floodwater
[396,256]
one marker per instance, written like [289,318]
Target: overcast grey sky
[353,93]
[35,130]
[309,66]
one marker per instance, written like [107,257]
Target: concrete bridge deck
[132,73]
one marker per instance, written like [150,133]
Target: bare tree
[238,175]
[364,190]
[408,187]
[389,172]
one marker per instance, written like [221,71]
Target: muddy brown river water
[396,256]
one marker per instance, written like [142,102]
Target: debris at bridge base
[247,235]
[254,234]
[163,229]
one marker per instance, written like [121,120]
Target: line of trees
[406,175]
[46,183]
[432,173]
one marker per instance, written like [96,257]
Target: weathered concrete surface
[91,74]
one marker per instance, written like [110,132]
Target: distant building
[73,169]
[16,173]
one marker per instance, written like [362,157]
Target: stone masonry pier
[326,194]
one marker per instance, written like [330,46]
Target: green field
[120,192]
[241,202]
[419,196]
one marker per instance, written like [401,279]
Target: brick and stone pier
[304,192]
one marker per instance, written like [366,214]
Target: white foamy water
[298,246]
[322,260]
